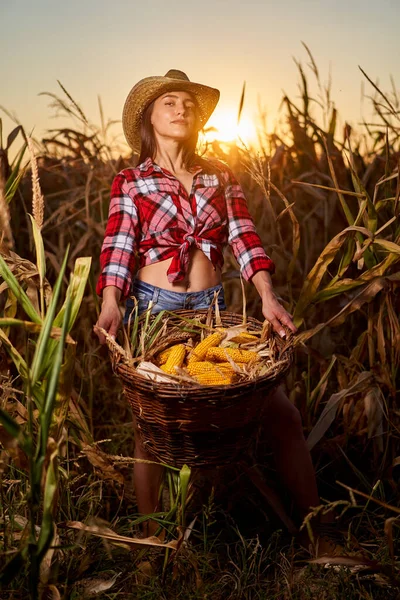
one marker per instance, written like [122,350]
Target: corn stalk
[46,381]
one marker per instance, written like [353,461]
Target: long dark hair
[148,147]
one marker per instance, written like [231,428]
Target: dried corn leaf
[151,371]
[108,534]
[101,461]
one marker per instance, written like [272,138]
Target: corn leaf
[345,206]
[365,295]
[9,424]
[329,413]
[51,390]
[184,477]
[44,349]
[295,233]
[55,332]
[50,496]
[18,291]
[76,289]
[387,245]
[316,274]
[16,175]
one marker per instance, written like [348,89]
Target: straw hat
[150,88]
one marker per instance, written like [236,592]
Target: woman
[177,211]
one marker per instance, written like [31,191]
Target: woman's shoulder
[133,173]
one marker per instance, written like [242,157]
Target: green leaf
[76,290]
[241,103]
[16,175]
[18,291]
[10,425]
[50,496]
[347,257]
[52,386]
[345,285]
[44,349]
[184,477]
[11,136]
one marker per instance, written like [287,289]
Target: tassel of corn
[212,377]
[175,359]
[199,367]
[239,356]
[163,356]
[199,352]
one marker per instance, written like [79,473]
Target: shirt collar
[149,166]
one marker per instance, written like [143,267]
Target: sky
[102,48]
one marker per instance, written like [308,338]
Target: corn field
[326,204]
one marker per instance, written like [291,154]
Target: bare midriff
[200,274]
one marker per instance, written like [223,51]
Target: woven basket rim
[179,387]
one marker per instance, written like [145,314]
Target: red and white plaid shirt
[151,215]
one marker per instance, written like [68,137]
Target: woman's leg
[147,480]
[284,433]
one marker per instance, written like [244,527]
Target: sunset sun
[224,128]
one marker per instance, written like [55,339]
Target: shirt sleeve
[243,237]
[117,257]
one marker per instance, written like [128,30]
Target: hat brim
[150,88]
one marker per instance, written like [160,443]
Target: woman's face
[174,116]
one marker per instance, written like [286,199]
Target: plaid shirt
[151,215]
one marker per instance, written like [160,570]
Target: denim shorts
[167,300]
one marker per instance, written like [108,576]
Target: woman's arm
[117,258]
[254,263]
[272,310]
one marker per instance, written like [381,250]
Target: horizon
[46,41]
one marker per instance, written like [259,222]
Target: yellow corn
[244,338]
[199,352]
[163,356]
[175,359]
[227,365]
[212,377]
[198,367]
[239,356]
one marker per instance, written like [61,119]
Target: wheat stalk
[37,196]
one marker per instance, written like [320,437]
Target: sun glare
[226,129]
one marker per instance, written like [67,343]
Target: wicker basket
[200,426]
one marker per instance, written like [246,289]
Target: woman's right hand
[110,316]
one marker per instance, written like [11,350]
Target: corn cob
[199,352]
[239,356]
[244,338]
[163,356]
[198,367]
[212,377]
[175,359]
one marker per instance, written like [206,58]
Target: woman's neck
[170,157]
